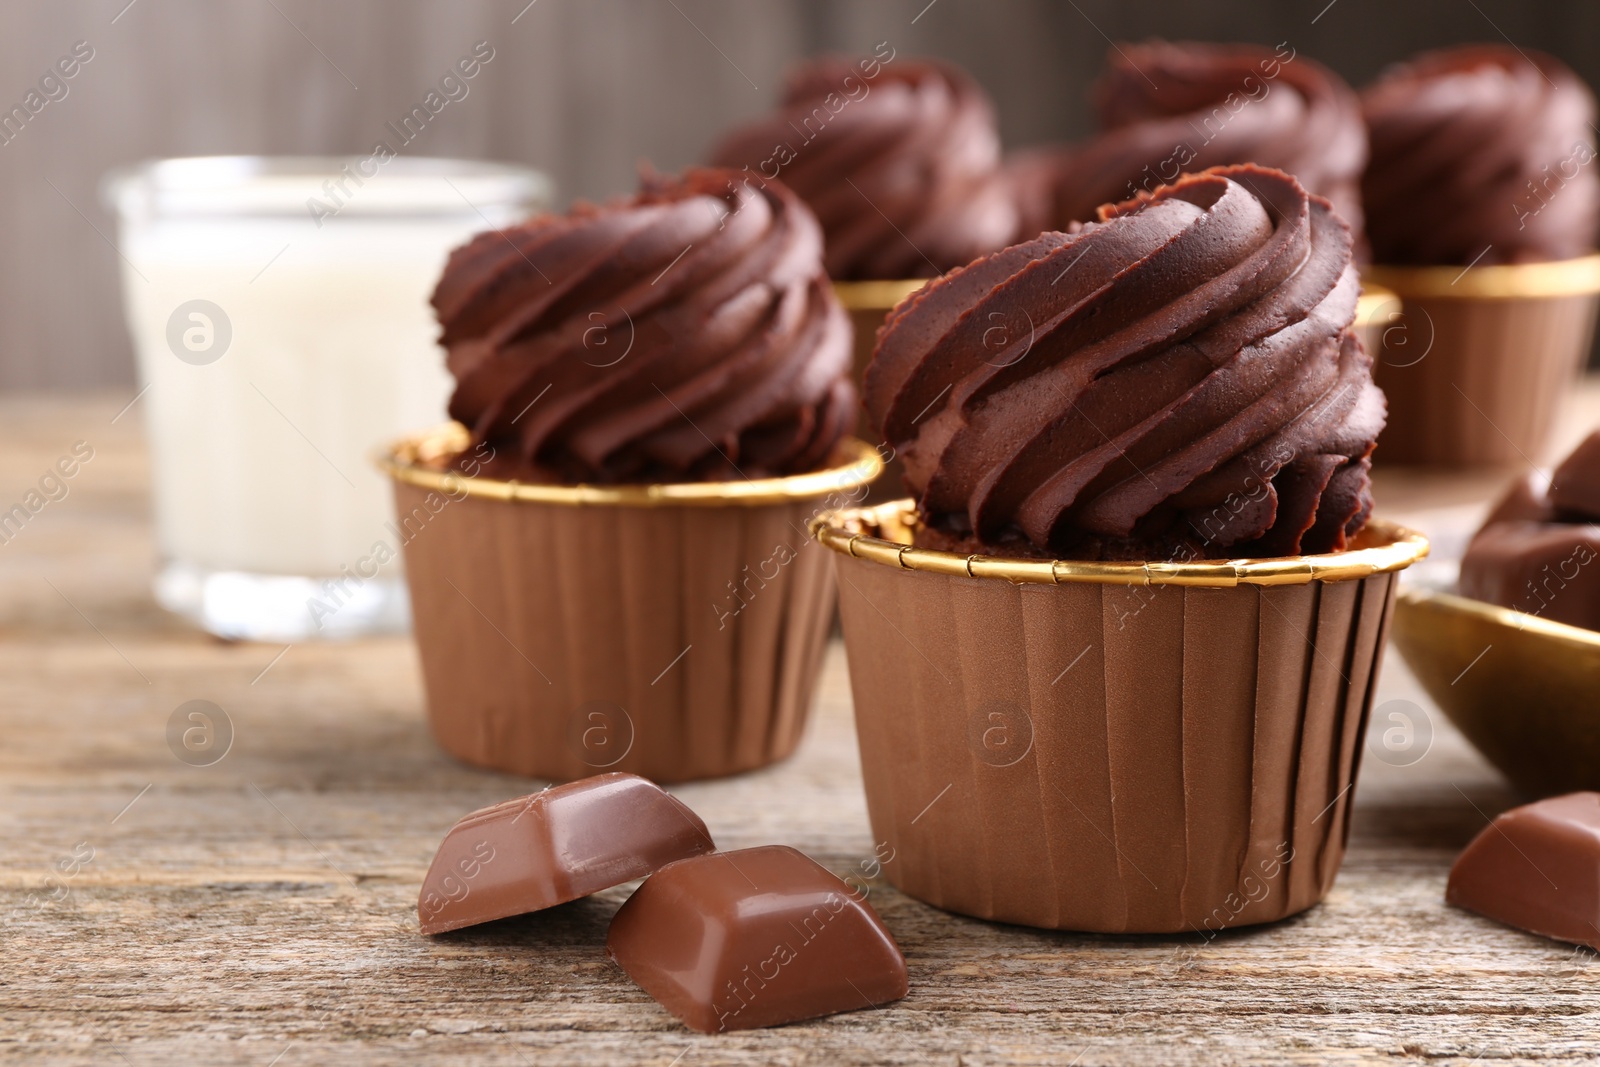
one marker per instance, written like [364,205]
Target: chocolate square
[545,849]
[1575,484]
[758,937]
[1537,867]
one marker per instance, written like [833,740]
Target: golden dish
[1525,691]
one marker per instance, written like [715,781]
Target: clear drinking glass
[279,312]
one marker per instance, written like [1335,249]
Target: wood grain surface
[262,910]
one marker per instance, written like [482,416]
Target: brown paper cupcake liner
[1476,364]
[674,631]
[1111,747]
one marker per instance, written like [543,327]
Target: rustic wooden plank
[265,906]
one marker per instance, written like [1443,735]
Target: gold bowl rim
[1390,547]
[1495,615]
[854,463]
[1501,281]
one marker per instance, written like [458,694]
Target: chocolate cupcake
[607,568]
[1169,109]
[1482,203]
[1138,600]
[1536,551]
[900,160]
[1242,284]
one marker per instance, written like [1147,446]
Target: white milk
[261,456]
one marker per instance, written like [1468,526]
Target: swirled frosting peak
[899,159]
[1176,381]
[1168,108]
[686,333]
[1483,153]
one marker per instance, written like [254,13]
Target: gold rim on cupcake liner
[413,460]
[1374,298]
[883,296]
[1501,281]
[876,296]
[1380,548]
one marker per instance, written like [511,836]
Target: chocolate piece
[1527,499]
[758,937]
[1169,109]
[1537,867]
[1177,381]
[688,333]
[1575,485]
[538,851]
[1536,551]
[898,158]
[1480,154]
[1541,568]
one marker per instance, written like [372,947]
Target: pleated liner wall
[673,640]
[1477,371]
[1089,756]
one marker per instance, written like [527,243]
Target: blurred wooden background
[584,89]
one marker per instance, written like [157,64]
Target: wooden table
[262,910]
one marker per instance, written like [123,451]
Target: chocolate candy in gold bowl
[1517,666]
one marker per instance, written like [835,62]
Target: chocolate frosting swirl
[1480,147]
[1179,380]
[900,165]
[1167,109]
[687,333]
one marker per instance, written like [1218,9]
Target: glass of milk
[279,312]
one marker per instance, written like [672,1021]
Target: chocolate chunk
[1536,550]
[1575,485]
[758,937]
[1541,568]
[1537,867]
[541,850]
[1526,499]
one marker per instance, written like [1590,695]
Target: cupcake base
[1477,364]
[1082,753]
[675,639]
